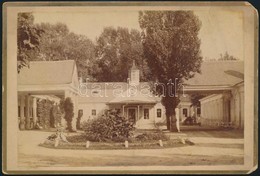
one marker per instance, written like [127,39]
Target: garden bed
[78,142]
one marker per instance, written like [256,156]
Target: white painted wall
[88,107]
[212,109]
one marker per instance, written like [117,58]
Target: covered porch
[139,109]
[221,106]
[28,105]
[52,80]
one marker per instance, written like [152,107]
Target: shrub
[77,138]
[56,116]
[80,114]
[68,108]
[148,136]
[44,112]
[108,127]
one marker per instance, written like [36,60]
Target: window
[94,112]
[24,112]
[185,112]
[198,111]
[146,113]
[19,111]
[80,113]
[159,113]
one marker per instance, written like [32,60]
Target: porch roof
[47,73]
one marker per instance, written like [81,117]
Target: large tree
[58,43]
[28,36]
[172,50]
[115,51]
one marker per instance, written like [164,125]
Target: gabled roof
[213,73]
[47,72]
[218,73]
[104,92]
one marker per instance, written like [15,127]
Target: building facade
[221,82]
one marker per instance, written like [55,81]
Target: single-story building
[221,81]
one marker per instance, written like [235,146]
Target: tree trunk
[168,122]
[173,124]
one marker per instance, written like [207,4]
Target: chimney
[134,74]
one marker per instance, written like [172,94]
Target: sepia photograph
[138,87]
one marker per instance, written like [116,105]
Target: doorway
[132,114]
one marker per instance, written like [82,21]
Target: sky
[221,30]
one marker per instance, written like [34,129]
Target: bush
[108,127]
[77,138]
[80,114]
[67,107]
[44,112]
[152,136]
[56,116]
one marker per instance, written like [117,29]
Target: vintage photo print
[130,87]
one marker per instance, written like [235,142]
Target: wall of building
[225,109]
[89,108]
[237,106]
[212,109]
[141,122]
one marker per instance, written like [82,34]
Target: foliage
[115,51]
[44,112]
[108,127]
[226,57]
[58,43]
[56,114]
[80,114]
[67,107]
[172,51]
[77,138]
[28,36]
[150,136]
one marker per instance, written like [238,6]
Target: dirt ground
[211,148]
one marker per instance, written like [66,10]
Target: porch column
[27,109]
[124,110]
[138,112]
[34,110]
[22,121]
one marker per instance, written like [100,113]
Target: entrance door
[132,113]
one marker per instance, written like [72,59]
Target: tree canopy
[58,43]
[28,36]
[115,51]
[172,50]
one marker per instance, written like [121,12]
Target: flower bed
[147,140]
